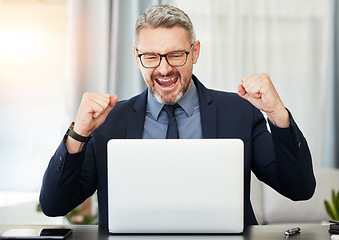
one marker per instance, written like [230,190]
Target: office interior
[52,51]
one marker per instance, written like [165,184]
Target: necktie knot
[172,129]
[170,110]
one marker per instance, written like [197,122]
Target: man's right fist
[93,111]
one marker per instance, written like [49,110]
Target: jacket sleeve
[290,171]
[68,181]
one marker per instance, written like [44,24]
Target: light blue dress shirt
[188,117]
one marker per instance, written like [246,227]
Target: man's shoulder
[132,104]
[120,115]
[209,95]
[220,97]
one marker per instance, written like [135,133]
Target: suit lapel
[136,120]
[208,111]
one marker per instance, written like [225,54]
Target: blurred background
[52,51]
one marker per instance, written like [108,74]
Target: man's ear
[196,51]
[136,57]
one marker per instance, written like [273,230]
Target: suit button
[61,159]
[298,142]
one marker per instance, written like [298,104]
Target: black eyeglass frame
[165,56]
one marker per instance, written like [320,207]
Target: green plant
[332,208]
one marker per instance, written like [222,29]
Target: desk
[262,232]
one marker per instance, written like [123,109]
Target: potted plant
[332,208]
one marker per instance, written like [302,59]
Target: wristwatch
[70,132]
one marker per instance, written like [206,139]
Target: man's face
[166,83]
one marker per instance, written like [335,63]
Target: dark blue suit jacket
[281,158]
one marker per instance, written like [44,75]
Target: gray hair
[166,16]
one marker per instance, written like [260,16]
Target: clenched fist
[259,90]
[93,111]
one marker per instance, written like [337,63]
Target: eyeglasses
[174,59]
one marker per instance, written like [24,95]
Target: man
[165,51]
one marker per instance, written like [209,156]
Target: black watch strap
[70,132]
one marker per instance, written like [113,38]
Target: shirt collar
[188,102]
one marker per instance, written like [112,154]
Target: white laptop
[176,186]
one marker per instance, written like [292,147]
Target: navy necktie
[172,129]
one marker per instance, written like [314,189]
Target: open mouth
[168,82]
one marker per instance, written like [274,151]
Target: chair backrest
[271,208]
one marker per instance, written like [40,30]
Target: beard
[184,87]
[160,100]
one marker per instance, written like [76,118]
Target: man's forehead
[162,39]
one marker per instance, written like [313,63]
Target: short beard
[158,98]
[180,95]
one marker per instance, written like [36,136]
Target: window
[33,40]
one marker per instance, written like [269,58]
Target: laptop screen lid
[175,186]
